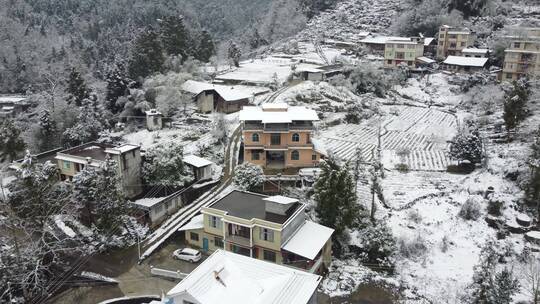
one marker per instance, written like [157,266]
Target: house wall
[303,146]
[410,53]
[160,211]
[257,241]
[453,44]
[154,122]
[521,59]
[314,76]
[205,102]
[130,171]
[67,171]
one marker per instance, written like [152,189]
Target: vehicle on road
[187,254]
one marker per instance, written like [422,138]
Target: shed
[154,120]
[202,168]
[461,64]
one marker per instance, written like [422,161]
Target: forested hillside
[40,38]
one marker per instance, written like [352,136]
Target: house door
[205,244]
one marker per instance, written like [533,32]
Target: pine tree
[248,177]
[47,130]
[98,196]
[515,104]
[175,37]
[117,86]
[146,55]
[11,143]
[36,194]
[505,286]
[234,53]
[206,47]
[76,88]
[164,165]
[467,145]
[90,122]
[335,196]
[256,40]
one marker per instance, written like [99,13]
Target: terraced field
[417,137]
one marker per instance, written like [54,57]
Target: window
[255,137]
[266,234]
[389,61]
[517,44]
[462,43]
[441,43]
[269,255]
[214,221]
[400,46]
[508,76]
[67,165]
[255,155]
[194,236]
[400,55]
[314,157]
[295,137]
[275,139]
[453,45]
[410,46]
[295,155]
[218,242]
[441,36]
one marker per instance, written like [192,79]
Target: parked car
[187,254]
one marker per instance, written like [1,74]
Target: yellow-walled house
[270,228]
[128,157]
[397,52]
[278,136]
[522,58]
[452,41]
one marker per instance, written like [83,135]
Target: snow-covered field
[423,204]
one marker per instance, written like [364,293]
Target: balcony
[237,239]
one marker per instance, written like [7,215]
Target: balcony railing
[237,239]
[277,128]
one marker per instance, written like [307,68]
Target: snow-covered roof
[428,40]
[122,149]
[196,161]
[152,112]
[148,202]
[308,240]
[197,222]
[319,146]
[283,200]
[383,39]
[289,115]
[228,93]
[424,59]
[12,99]
[229,278]
[310,70]
[459,32]
[475,51]
[466,61]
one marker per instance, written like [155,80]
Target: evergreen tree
[90,122]
[467,145]
[36,194]
[76,88]
[490,286]
[11,143]
[248,177]
[117,86]
[98,196]
[175,37]
[146,55]
[515,104]
[256,40]
[206,48]
[533,186]
[48,130]
[163,165]
[234,53]
[505,286]
[335,196]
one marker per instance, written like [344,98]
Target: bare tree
[531,278]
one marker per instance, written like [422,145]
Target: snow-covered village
[264,152]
